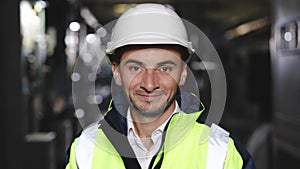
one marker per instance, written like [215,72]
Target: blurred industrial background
[258,42]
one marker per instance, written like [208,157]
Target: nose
[149,80]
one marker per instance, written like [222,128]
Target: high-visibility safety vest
[187,144]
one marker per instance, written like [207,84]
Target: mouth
[149,97]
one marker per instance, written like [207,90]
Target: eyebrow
[166,62]
[158,64]
[133,61]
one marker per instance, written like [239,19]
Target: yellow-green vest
[197,147]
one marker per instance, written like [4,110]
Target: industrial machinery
[285,56]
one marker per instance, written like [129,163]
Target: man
[152,124]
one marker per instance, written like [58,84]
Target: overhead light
[246,28]
[89,18]
[91,38]
[39,6]
[74,26]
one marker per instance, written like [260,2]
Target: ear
[116,74]
[183,75]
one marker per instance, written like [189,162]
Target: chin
[151,112]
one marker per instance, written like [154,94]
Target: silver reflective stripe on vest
[217,148]
[84,149]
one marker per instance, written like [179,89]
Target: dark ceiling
[214,17]
[206,14]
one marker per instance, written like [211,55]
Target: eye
[165,69]
[134,68]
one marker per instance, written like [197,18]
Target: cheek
[172,78]
[168,83]
[131,81]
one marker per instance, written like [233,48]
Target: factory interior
[45,41]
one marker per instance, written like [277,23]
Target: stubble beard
[151,112]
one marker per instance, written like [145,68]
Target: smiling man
[151,124]
[150,78]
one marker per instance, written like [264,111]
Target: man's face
[150,78]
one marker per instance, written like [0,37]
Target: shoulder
[225,146]
[238,151]
[237,155]
[81,150]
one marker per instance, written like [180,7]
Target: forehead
[151,54]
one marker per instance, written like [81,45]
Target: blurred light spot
[74,26]
[87,57]
[243,29]
[39,6]
[89,18]
[288,36]
[71,40]
[94,99]
[104,90]
[92,77]
[91,38]
[75,77]
[79,113]
[102,32]
[40,136]
[247,27]
[84,12]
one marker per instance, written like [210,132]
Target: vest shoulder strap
[217,147]
[84,149]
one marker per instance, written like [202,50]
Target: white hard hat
[147,24]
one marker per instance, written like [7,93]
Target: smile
[149,97]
